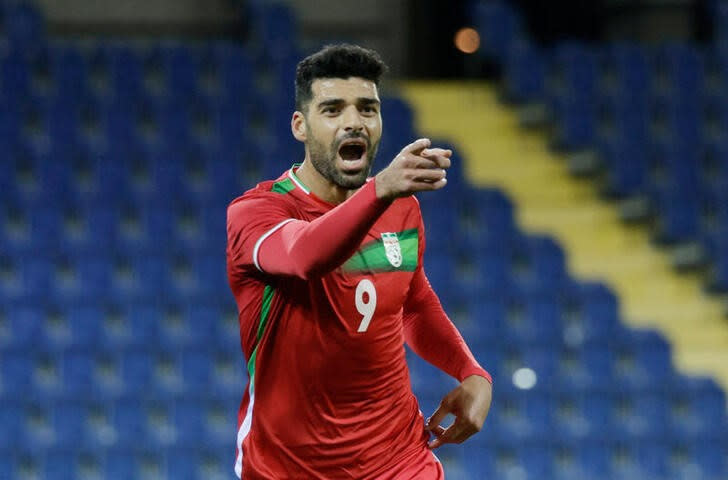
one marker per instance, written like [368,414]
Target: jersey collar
[297,181]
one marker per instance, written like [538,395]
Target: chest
[366,293]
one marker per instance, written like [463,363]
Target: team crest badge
[392,249]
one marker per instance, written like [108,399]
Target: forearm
[432,336]
[309,249]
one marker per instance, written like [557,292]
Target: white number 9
[365,308]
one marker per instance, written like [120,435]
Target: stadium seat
[643,358]
[24,26]
[22,326]
[499,27]
[16,371]
[78,370]
[11,423]
[697,409]
[70,74]
[534,319]
[626,166]
[525,73]
[118,464]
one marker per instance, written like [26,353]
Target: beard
[324,158]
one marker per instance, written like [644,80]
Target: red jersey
[328,394]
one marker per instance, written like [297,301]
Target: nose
[352,121]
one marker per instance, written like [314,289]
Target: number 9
[365,308]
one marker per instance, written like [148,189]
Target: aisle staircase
[599,245]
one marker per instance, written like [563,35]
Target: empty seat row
[162,372]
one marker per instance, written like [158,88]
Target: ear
[298,126]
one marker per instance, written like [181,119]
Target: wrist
[381,192]
[475,371]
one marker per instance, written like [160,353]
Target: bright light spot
[467,40]
[524,378]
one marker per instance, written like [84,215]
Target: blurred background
[581,245]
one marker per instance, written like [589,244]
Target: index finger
[417,146]
[437,417]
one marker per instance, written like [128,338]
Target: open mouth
[352,151]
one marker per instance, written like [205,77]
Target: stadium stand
[119,352]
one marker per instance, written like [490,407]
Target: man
[326,268]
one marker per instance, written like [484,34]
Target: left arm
[432,336]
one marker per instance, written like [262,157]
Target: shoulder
[265,198]
[407,206]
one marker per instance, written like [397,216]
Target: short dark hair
[336,61]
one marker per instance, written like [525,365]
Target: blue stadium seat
[590,313]
[537,263]
[275,30]
[138,324]
[69,420]
[189,420]
[572,101]
[592,366]
[11,423]
[196,367]
[481,321]
[70,73]
[630,65]
[525,415]
[61,464]
[626,163]
[575,123]
[697,409]
[129,419]
[137,369]
[698,459]
[120,464]
[499,27]
[235,71]
[523,460]
[583,414]
[180,70]
[640,413]
[183,463]
[125,71]
[25,277]
[525,73]
[684,67]
[24,26]
[535,319]
[22,326]
[85,323]
[643,359]
[77,369]
[83,278]
[15,77]
[8,465]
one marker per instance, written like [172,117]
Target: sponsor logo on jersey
[392,248]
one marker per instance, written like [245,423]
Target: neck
[320,186]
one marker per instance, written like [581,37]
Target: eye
[369,109]
[329,110]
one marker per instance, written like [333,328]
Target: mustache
[351,136]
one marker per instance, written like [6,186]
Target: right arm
[277,244]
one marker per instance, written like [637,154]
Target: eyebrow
[339,101]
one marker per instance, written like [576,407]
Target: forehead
[352,87]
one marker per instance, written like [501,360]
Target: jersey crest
[392,248]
